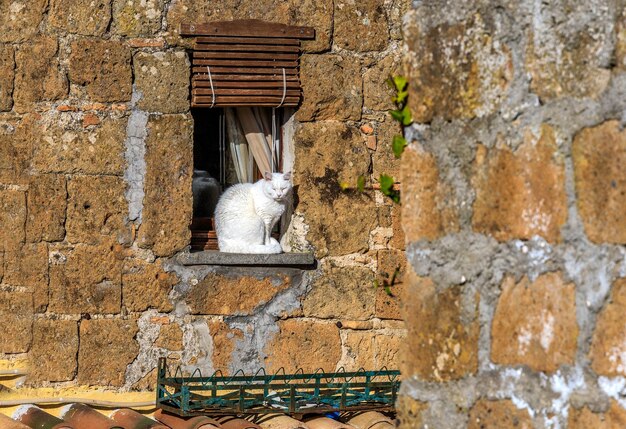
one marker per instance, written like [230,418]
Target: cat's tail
[234,246]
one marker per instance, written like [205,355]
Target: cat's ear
[287,175]
[267,175]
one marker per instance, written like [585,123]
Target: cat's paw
[274,246]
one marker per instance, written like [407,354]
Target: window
[244,86]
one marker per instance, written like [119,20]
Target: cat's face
[277,185]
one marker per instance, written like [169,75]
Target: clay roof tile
[82,416]
[178,422]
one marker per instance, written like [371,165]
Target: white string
[284,88]
[212,90]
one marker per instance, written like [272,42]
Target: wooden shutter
[251,63]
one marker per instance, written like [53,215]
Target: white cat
[246,214]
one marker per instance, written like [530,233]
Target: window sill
[214,257]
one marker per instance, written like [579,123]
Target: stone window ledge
[213,257]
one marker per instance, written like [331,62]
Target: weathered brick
[17,137]
[16,313]
[427,212]
[313,13]
[327,154]
[100,150]
[47,203]
[103,67]
[291,346]
[170,337]
[234,294]
[12,219]
[409,412]
[163,80]
[134,18]
[85,279]
[390,262]
[360,26]
[7,75]
[521,194]
[608,351]
[614,418]
[38,76]
[20,19]
[86,17]
[332,86]
[599,155]
[535,323]
[224,342]
[455,71]
[442,341]
[54,351]
[342,292]
[371,350]
[146,285]
[27,266]
[112,338]
[167,205]
[498,415]
[97,210]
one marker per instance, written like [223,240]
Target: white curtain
[242,157]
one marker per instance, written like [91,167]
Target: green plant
[388,282]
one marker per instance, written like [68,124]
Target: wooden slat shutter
[251,63]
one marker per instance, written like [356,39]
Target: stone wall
[95,197]
[514,195]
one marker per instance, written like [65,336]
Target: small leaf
[405,114]
[386,183]
[400,82]
[397,145]
[388,290]
[344,185]
[397,115]
[360,183]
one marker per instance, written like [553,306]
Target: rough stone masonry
[514,196]
[96,144]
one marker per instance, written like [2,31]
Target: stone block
[233,294]
[442,334]
[170,337]
[97,210]
[383,159]
[568,63]
[620,42]
[146,285]
[388,306]
[133,18]
[78,285]
[428,206]
[501,414]
[409,412]
[341,292]
[291,347]
[329,153]
[12,219]
[360,25]
[27,266]
[599,155]
[398,239]
[20,19]
[167,205]
[16,313]
[371,350]
[7,75]
[313,13]
[584,418]
[18,135]
[38,76]
[47,203]
[535,323]
[332,87]
[103,67]
[85,17]
[54,351]
[98,150]
[162,78]
[608,351]
[224,342]
[113,338]
[455,71]
[521,194]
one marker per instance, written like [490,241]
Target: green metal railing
[296,393]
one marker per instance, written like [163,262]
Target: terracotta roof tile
[232,422]
[177,422]
[131,419]
[84,417]
[9,423]
[326,423]
[34,417]
[280,421]
[371,420]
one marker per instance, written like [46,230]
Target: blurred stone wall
[514,203]
[95,196]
